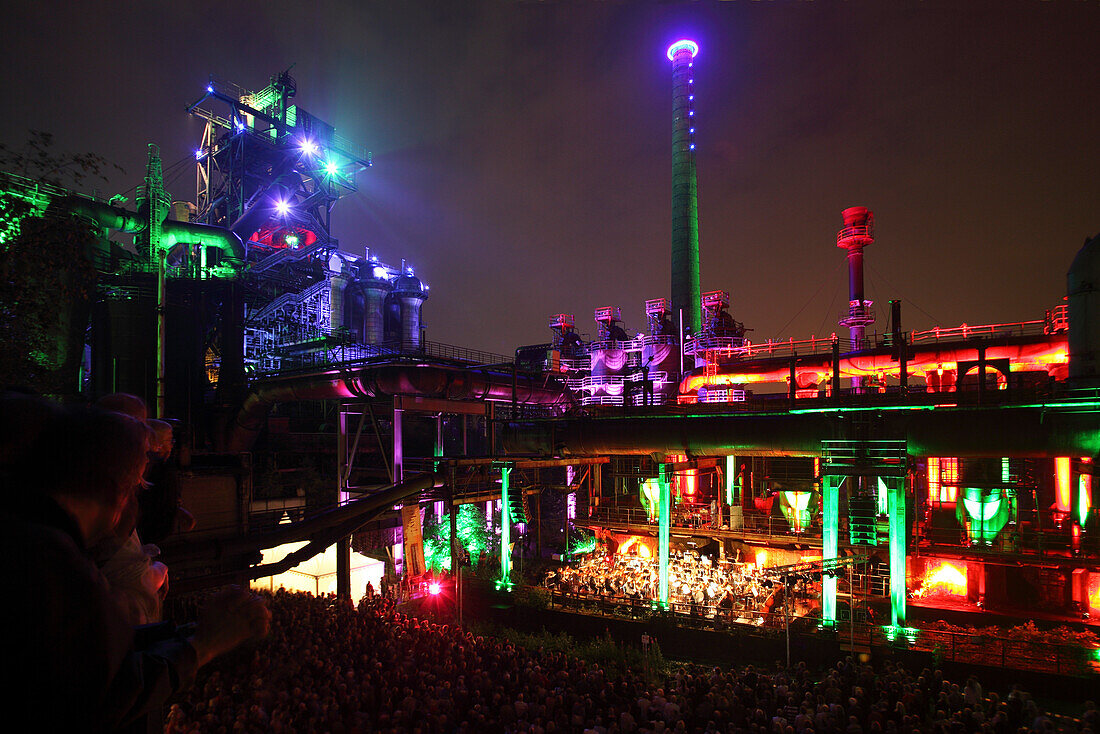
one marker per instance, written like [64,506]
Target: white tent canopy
[318,574]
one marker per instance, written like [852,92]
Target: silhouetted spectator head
[92,457]
[122,402]
[161,440]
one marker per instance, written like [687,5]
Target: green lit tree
[472,536]
[47,278]
[47,282]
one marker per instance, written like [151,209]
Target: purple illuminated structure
[685,212]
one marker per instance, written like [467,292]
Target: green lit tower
[685,204]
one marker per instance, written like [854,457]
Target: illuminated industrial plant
[891,472]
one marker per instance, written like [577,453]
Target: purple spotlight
[684,44]
[309,147]
[282,208]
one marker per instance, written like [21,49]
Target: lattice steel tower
[270,171]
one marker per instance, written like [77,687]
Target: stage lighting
[309,147]
[331,168]
[282,208]
[434,588]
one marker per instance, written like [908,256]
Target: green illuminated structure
[730,478]
[649,492]
[581,544]
[830,536]
[884,464]
[796,506]
[1084,498]
[984,513]
[505,581]
[662,535]
[895,496]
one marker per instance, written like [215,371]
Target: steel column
[343,544]
[895,499]
[662,534]
[505,581]
[830,535]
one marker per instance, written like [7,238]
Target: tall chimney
[685,205]
[858,232]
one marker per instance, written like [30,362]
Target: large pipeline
[354,514]
[1046,352]
[174,233]
[435,381]
[321,531]
[966,432]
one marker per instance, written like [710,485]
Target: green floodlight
[331,168]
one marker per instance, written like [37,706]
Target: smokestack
[858,232]
[685,205]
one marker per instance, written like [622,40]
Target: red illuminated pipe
[1049,351]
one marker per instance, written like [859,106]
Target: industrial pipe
[186,233]
[1047,352]
[105,215]
[437,381]
[322,531]
[355,513]
[193,233]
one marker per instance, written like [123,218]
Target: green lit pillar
[730,478]
[157,202]
[438,448]
[662,535]
[505,581]
[895,496]
[830,536]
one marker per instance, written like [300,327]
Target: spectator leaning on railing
[70,659]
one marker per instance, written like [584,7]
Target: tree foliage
[47,282]
[36,159]
[47,277]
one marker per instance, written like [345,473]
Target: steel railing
[351,355]
[971,647]
[752,523]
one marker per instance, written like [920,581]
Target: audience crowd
[328,667]
[76,663]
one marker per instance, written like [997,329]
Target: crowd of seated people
[698,585]
[330,667]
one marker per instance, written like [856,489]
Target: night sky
[522,150]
